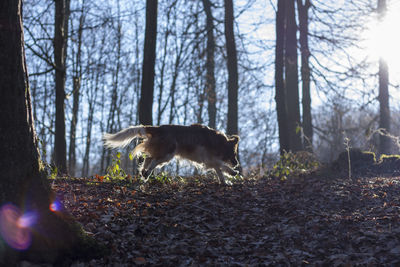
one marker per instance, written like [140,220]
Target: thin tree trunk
[114,112]
[60,55]
[74,121]
[76,95]
[23,184]
[384,110]
[292,79]
[168,31]
[92,97]
[305,72]
[232,69]
[174,80]
[149,57]
[210,66]
[280,94]
[162,73]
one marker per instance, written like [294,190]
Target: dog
[197,143]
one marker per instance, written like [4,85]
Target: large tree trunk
[149,58]
[292,79]
[23,185]
[210,66]
[60,55]
[232,70]
[280,94]
[305,73]
[384,111]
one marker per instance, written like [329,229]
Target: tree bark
[23,184]
[292,79]
[232,69]
[280,94]
[149,57]
[210,66]
[60,55]
[384,110]
[305,73]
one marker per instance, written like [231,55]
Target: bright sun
[383,38]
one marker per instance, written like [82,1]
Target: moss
[388,158]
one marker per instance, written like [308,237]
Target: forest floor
[308,220]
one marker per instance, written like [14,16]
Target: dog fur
[196,143]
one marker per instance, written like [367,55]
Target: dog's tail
[124,137]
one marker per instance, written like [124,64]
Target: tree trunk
[76,95]
[149,57]
[292,79]
[114,111]
[161,107]
[92,94]
[305,72]
[232,70]
[52,236]
[60,55]
[210,66]
[280,94]
[384,111]
[74,122]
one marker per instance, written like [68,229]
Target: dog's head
[231,150]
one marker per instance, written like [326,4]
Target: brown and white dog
[196,143]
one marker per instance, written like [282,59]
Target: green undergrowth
[294,164]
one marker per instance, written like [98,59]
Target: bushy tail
[124,137]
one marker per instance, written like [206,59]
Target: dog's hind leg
[151,163]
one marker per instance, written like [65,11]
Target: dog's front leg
[145,170]
[230,171]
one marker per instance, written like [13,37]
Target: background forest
[323,55]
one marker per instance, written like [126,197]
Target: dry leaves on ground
[303,221]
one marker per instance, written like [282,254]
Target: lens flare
[55,205]
[14,226]
[27,219]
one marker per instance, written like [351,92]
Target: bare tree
[149,57]
[232,69]
[92,94]
[280,91]
[60,55]
[114,111]
[384,110]
[210,65]
[292,79]
[305,72]
[22,172]
[77,77]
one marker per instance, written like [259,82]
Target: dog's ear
[234,138]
